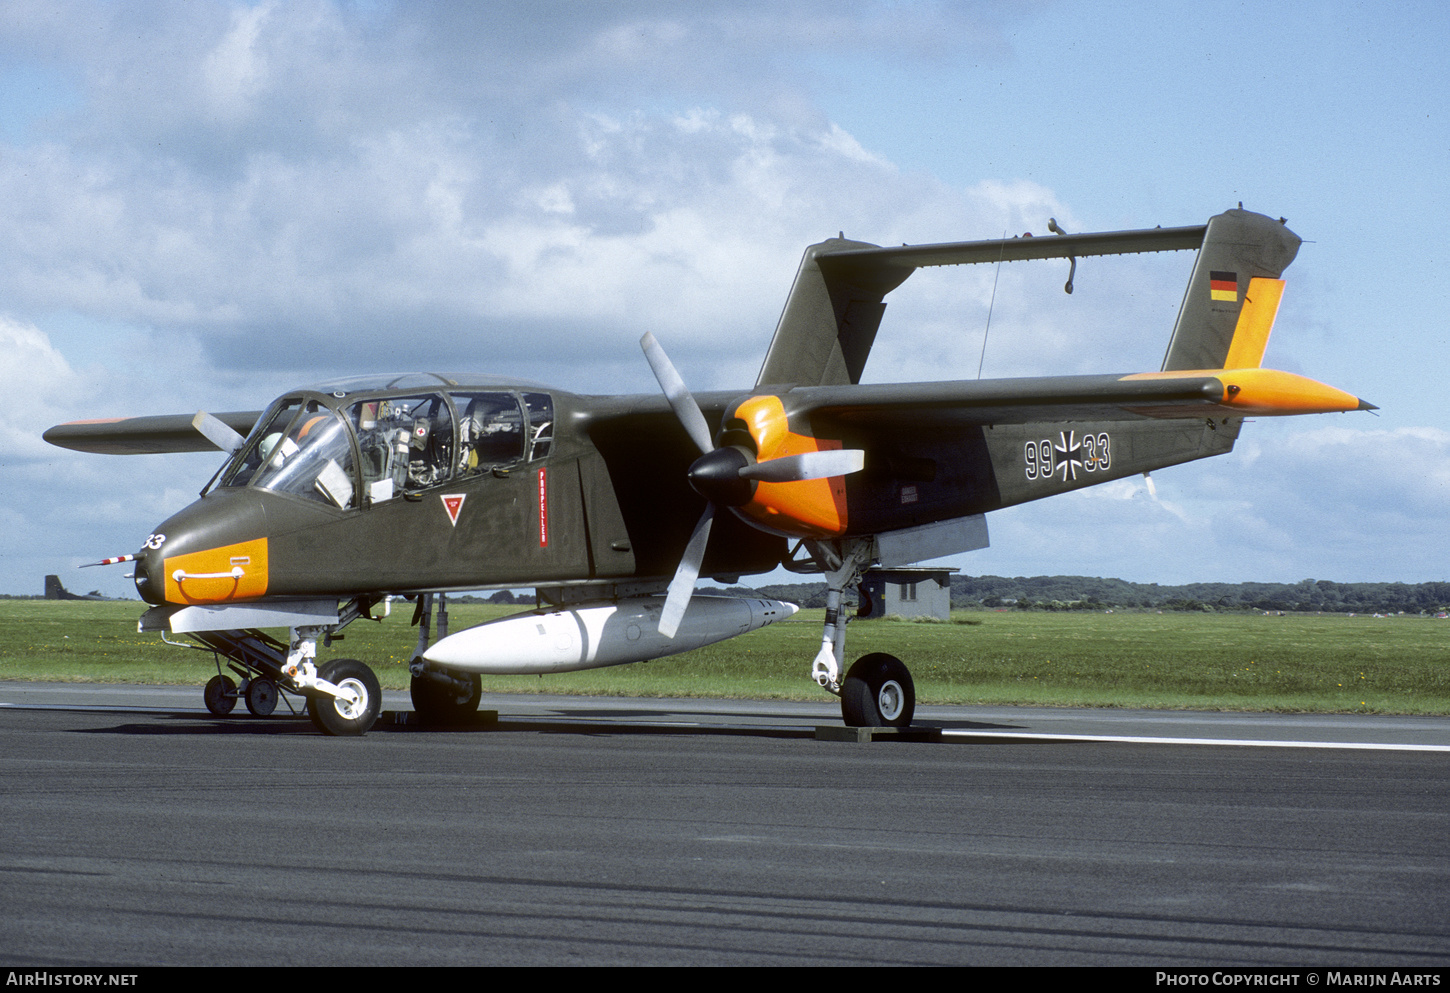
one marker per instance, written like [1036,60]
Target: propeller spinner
[724,476]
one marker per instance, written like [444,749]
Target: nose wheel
[878,693]
[354,711]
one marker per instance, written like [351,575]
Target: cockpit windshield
[303,450]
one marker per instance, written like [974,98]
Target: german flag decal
[1223,286]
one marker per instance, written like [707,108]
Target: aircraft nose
[148,576]
[212,551]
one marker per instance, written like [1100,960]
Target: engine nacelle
[599,635]
[810,508]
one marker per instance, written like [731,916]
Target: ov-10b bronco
[342,494]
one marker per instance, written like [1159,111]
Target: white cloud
[235,71]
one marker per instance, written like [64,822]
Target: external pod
[599,635]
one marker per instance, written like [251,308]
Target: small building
[918,591]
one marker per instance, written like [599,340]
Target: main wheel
[220,695]
[439,701]
[878,693]
[261,697]
[333,715]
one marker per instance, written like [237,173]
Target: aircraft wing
[156,435]
[1151,395]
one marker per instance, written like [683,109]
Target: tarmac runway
[586,831]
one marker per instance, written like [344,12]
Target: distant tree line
[1089,593]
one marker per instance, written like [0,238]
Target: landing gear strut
[878,690]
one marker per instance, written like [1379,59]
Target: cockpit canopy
[351,449]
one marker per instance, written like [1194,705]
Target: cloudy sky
[204,204]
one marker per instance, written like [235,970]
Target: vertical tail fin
[1233,294]
[830,318]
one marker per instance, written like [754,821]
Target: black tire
[333,716]
[878,693]
[220,695]
[261,697]
[437,702]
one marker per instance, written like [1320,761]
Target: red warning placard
[453,503]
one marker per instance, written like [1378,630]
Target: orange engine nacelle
[811,508]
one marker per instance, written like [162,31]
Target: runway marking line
[1229,742]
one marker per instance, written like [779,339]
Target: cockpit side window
[490,431]
[406,444]
[541,424]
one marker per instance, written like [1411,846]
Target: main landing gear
[440,696]
[878,690]
[445,698]
[878,693]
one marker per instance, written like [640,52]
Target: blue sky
[202,205]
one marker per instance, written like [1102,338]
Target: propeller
[216,431]
[723,476]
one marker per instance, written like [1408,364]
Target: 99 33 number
[1068,456]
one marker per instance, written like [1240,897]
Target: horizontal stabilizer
[1019,249]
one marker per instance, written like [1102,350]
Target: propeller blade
[216,431]
[682,587]
[683,403]
[808,465]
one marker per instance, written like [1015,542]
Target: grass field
[1329,663]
